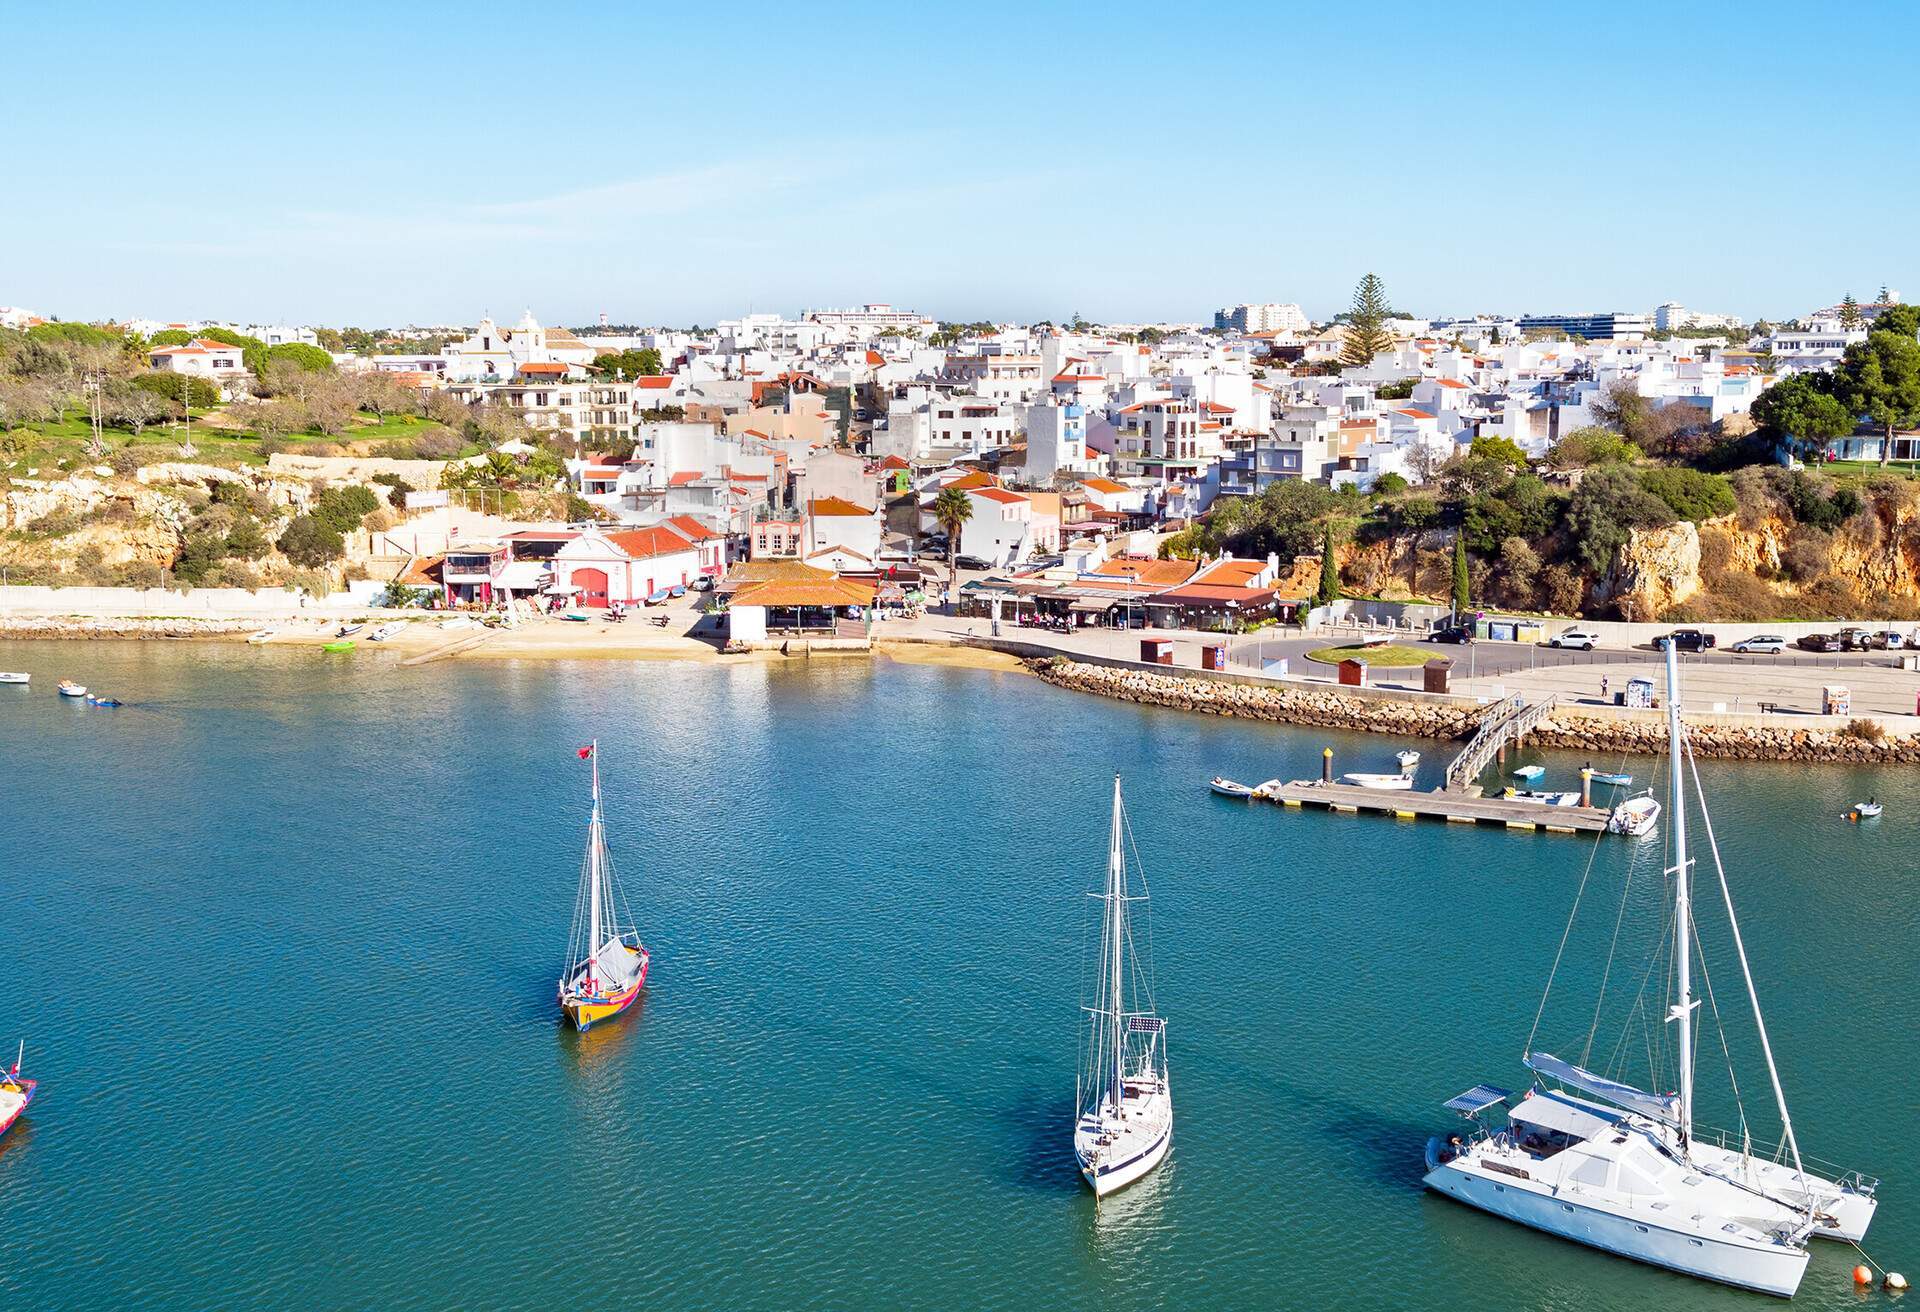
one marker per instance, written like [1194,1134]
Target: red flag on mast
[585,752]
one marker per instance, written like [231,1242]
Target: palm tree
[951,511]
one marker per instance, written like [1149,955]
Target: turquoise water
[282,937]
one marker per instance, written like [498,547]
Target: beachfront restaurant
[785,598]
[1218,608]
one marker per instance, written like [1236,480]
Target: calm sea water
[282,935]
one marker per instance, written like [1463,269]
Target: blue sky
[383,164]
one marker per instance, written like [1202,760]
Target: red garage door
[593,587]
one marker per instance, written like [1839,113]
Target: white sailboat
[1626,1170]
[1123,1108]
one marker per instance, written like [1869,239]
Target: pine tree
[1849,312]
[1367,333]
[1460,599]
[1329,590]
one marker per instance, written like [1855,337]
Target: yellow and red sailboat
[606,962]
[16,1091]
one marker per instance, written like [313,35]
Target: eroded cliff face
[118,523]
[1878,552]
[1653,571]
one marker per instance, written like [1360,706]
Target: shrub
[229,493]
[343,508]
[1584,448]
[311,543]
[200,393]
[1805,559]
[1607,506]
[397,489]
[199,557]
[1692,495]
[437,445]
[1867,731]
[300,355]
[245,539]
[1388,485]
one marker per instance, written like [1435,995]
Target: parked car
[1574,639]
[702,584]
[1770,644]
[1852,639]
[1819,642]
[972,562]
[1454,633]
[1685,640]
[1887,640]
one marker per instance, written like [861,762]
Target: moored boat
[68,688]
[1228,788]
[1610,777]
[1588,1157]
[16,1091]
[93,700]
[1529,772]
[1123,1107]
[1385,782]
[1867,810]
[1408,759]
[1635,817]
[15,676]
[386,631]
[606,962]
[338,644]
[262,635]
[1541,797]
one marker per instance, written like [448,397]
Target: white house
[203,357]
[833,522]
[1001,529]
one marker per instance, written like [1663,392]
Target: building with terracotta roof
[216,362]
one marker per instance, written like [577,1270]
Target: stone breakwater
[99,626]
[1863,741]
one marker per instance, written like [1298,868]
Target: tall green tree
[1367,333]
[1803,408]
[1329,590]
[1849,312]
[1460,598]
[1879,379]
[951,511]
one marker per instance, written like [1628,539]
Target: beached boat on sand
[262,635]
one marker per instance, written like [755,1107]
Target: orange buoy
[1863,1275]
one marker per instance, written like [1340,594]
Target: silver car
[1768,644]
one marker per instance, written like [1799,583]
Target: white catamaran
[1625,1170]
[1123,1109]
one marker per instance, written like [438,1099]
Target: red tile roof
[656,383]
[999,494]
[836,506]
[692,528]
[658,540]
[683,478]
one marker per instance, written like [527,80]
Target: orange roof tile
[836,506]
[999,494]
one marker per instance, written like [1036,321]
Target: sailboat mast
[1116,912]
[593,870]
[1682,898]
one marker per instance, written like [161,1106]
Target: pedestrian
[1604,683]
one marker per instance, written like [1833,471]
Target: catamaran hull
[1772,1270]
[1111,1178]
[590,1012]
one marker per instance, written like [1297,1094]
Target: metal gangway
[1506,721]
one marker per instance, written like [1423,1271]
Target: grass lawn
[1904,468]
[61,444]
[1390,654]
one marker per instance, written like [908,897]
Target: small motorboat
[1228,788]
[1408,759]
[104,701]
[348,630]
[264,635]
[677,590]
[1385,782]
[1610,777]
[1530,772]
[1634,817]
[575,617]
[457,622]
[338,644]
[1543,798]
[68,688]
[1866,810]
[659,597]
[15,676]
[386,631]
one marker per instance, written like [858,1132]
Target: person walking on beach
[1603,687]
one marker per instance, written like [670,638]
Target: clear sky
[379,164]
